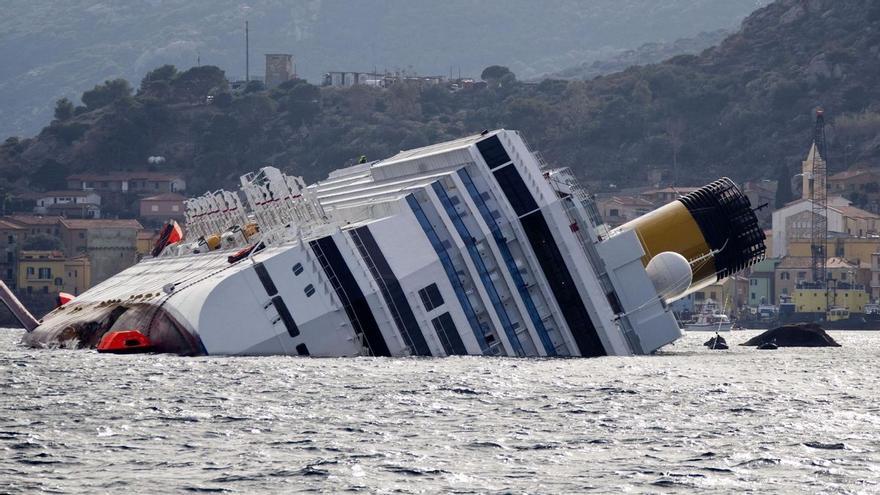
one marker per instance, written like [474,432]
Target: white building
[83,204]
[793,222]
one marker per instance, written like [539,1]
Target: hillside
[740,109]
[55,49]
[648,53]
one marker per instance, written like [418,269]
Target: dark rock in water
[797,335]
[768,346]
[716,342]
[825,446]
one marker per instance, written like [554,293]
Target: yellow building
[813,300]
[51,272]
[854,249]
[78,273]
[146,239]
[795,271]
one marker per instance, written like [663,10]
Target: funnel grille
[729,225]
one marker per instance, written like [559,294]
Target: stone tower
[279,68]
[807,171]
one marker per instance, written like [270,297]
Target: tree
[254,87]
[104,94]
[42,242]
[51,175]
[196,83]
[63,109]
[165,73]
[783,187]
[494,73]
[157,82]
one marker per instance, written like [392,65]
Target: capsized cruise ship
[468,247]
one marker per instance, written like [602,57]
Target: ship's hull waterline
[465,247]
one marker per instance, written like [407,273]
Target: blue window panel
[471,245]
[449,268]
[515,274]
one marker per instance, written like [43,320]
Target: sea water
[688,419]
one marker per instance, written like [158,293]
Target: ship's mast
[819,200]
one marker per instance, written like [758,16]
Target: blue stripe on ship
[501,242]
[471,245]
[446,261]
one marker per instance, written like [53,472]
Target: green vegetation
[743,109]
[104,94]
[64,110]
[42,242]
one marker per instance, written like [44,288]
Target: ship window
[302,350]
[515,190]
[431,297]
[493,152]
[454,200]
[448,335]
[297,268]
[309,290]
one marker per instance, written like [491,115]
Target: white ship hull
[467,247]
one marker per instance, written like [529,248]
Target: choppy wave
[688,419]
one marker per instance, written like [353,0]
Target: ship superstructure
[471,246]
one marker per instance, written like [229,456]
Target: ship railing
[277,199]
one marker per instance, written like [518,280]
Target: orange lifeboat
[63,298]
[125,342]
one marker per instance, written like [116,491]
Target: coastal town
[70,240]
[785,277]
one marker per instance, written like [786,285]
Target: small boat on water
[710,319]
